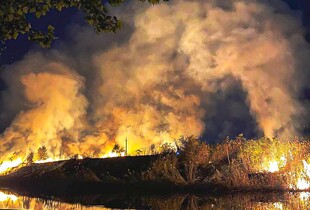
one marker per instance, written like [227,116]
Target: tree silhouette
[42,153]
[14,17]
[193,153]
[29,159]
[153,149]
[117,149]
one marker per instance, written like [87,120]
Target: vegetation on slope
[264,164]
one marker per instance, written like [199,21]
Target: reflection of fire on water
[278,205]
[10,201]
[299,200]
[7,197]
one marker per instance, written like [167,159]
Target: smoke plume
[160,83]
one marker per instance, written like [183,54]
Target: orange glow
[278,205]
[273,166]
[113,154]
[7,197]
[6,165]
[48,160]
[303,181]
[302,184]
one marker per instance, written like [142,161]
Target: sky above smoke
[203,68]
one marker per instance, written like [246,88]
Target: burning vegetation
[240,164]
[160,83]
[268,164]
[157,80]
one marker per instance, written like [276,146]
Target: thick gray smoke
[175,69]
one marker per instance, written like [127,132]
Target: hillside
[88,173]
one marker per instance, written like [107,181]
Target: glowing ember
[278,205]
[6,165]
[113,154]
[306,168]
[304,196]
[273,166]
[47,160]
[302,184]
[6,197]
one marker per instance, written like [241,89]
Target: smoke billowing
[182,64]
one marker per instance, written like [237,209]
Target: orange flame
[6,165]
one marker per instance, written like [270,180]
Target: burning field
[266,164]
[239,164]
[201,68]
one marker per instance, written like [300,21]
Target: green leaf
[38,14]
[10,17]
[20,12]
[50,28]
[8,36]
[59,6]
[15,35]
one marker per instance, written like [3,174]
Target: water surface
[259,201]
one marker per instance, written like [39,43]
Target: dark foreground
[167,201]
[110,175]
[116,183]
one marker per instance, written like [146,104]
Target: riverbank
[94,175]
[238,165]
[109,175]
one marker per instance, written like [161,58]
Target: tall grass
[239,163]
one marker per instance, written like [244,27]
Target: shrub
[42,153]
[193,154]
[165,168]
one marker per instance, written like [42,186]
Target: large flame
[303,182]
[6,165]
[158,85]
[300,179]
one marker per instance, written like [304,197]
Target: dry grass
[243,164]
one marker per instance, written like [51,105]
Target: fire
[48,160]
[278,205]
[7,197]
[6,165]
[113,154]
[273,166]
[306,167]
[304,196]
[302,182]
